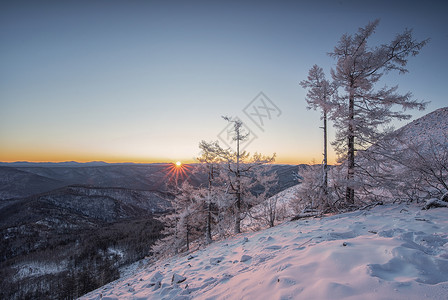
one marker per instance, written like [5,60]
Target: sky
[146,81]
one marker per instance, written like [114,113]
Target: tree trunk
[350,192]
[237,228]
[188,237]
[272,210]
[325,183]
[208,229]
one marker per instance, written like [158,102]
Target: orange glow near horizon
[39,154]
[178,164]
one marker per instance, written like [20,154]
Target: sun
[178,163]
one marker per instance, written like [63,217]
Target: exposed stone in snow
[157,277]
[177,278]
[245,258]
[216,260]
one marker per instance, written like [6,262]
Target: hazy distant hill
[19,164]
[103,204]
[16,183]
[26,179]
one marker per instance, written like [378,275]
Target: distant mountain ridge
[16,183]
[30,179]
[53,164]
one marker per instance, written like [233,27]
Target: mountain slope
[389,252]
[16,183]
[60,238]
[433,125]
[102,204]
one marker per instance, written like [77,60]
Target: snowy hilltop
[433,126]
[387,252]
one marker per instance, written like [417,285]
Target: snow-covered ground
[388,252]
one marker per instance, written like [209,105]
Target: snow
[388,252]
[36,268]
[431,126]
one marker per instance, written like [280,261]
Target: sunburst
[177,171]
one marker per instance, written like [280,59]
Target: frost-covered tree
[310,194]
[211,158]
[241,180]
[419,167]
[320,92]
[266,209]
[430,161]
[240,165]
[363,109]
[185,223]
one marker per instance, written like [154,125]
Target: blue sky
[148,80]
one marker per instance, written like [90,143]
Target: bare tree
[362,110]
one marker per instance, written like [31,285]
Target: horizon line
[121,163]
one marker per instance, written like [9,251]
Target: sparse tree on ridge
[320,92]
[239,167]
[362,109]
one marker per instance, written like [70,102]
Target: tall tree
[239,167]
[320,91]
[363,110]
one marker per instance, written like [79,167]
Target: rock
[157,286]
[245,240]
[157,277]
[177,279]
[273,247]
[216,260]
[245,258]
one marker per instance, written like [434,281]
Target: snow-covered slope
[388,252]
[432,126]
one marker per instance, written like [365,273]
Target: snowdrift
[388,252]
